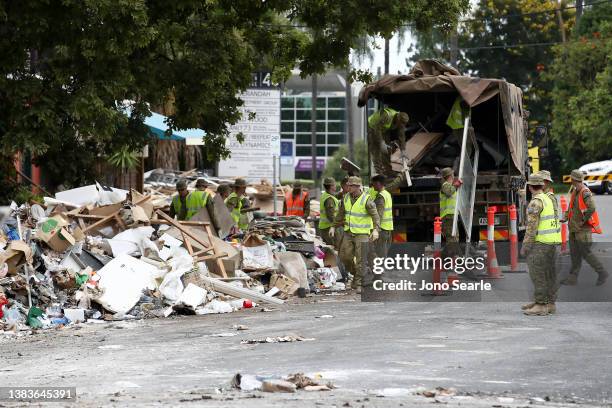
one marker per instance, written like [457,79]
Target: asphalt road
[377,354]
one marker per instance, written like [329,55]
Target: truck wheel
[606,187]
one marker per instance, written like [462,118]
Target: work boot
[571,280]
[537,310]
[552,308]
[528,306]
[358,290]
[603,277]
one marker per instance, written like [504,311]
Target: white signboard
[253,158]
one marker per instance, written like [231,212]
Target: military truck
[497,126]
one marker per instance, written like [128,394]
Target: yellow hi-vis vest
[324,223]
[386,220]
[196,200]
[549,229]
[356,217]
[383,117]
[455,118]
[236,210]
[176,203]
[447,204]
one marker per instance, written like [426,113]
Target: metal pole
[274,182]
[313,129]
[349,117]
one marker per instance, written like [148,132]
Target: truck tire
[606,187]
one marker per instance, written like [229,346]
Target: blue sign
[286,148]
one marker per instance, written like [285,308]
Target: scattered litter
[438,392]
[240,327]
[324,317]
[223,334]
[278,386]
[284,339]
[111,347]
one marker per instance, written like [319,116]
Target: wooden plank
[187,223]
[99,223]
[210,257]
[218,261]
[86,216]
[187,243]
[182,229]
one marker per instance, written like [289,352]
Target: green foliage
[581,98]
[513,23]
[67,64]
[124,159]
[332,167]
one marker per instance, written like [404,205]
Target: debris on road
[97,253]
[290,383]
[284,339]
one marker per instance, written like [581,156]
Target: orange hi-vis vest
[594,220]
[295,205]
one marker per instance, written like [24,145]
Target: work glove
[375,235]
[332,231]
[457,183]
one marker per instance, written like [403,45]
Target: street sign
[254,157]
[286,148]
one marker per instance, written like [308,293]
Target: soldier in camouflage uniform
[361,224]
[385,127]
[381,247]
[339,231]
[329,207]
[448,198]
[583,221]
[542,236]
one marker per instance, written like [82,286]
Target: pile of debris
[102,253]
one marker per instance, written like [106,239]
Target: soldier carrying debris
[386,127]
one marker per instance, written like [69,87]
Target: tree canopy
[67,66]
[582,79]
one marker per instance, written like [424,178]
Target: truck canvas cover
[431,76]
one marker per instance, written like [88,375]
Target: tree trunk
[560,21]
[349,117]
[386,56]
[313,128]
[454,51]
[578,11]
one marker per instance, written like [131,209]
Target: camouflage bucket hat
[577,175]
[535,180]
[329,181]
[447,171]
[545,174]
[354,181]
[240,183]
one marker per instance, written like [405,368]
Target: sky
[397,61]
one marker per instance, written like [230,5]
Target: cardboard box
[284,283]
[53,233]
[17,253]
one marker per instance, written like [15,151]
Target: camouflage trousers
[380,247]
[580,248]
[541,262]
[328,239]
[354,254]
[452,242]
